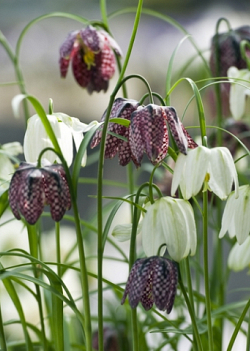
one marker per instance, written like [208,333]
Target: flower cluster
[31,188]
[152,280]
[147,132]
[93,60]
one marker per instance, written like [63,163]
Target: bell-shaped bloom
[239,90]
[229,50]
[213,166]
[151,281]
[236,218]
[147,132]
[239,257]
[171,222]
[121,108]
[32,188]
[66,130]
[93,60]
[7,153]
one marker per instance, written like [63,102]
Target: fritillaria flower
[213,166]
[151,281]
[229,50]
[93,60]
[147,132]
[32,188]
[239,257]
[171,222]
[239,90]
[66,130]
[236,218]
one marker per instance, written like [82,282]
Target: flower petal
[222,172]
[152,229]
[176,129]
[31,196]
[190,172]
[239,258]
[164,284]
[238,91]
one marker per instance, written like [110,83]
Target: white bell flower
[214,166]
[236,218]
[239,257]
[66,130]
[169,221]
[238,90]
[7,151]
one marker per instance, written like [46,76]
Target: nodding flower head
[229,53]
[151,281]
[147,132]
[32,188]
[93,60]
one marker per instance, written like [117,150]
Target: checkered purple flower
[93,60]
[151,281]
[32,188]
[147,132]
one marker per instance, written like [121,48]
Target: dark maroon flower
[151,281]
[122,108]
[147,132]
[31,188]
[228,50]
[93,60]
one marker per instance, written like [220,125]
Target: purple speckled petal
[91,38]
[148,133]
[56,192]
[164,284]
[31,197]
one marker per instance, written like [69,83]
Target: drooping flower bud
[32,188]
[151,281]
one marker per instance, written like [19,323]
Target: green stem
[18,72]
[237,328]
[84,277]
[190,291]
[3,346]
[206,270]
[58,251]
[100,179]
[103,8]
[33,245]
[131,185]
[192,316]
